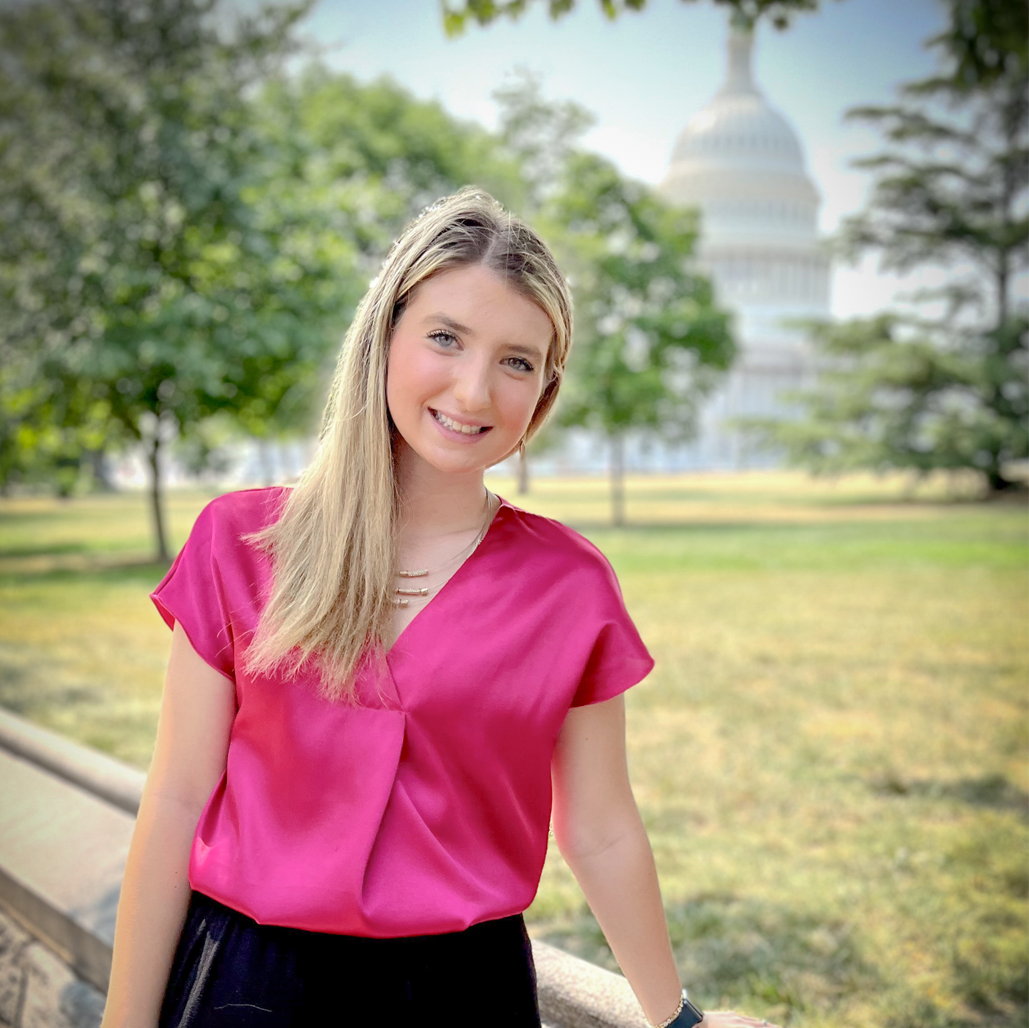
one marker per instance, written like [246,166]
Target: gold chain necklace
[401,593]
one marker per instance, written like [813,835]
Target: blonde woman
[376,676]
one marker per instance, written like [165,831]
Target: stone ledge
[89,769]
[62,855]
[577,994]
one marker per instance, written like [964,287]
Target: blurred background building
[740,162]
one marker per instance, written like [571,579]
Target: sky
[645,74]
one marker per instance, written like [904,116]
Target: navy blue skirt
[230,972]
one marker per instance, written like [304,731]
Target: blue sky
[644,75]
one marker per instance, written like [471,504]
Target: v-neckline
[443,588]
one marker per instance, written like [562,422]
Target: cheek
[518,402]
[406,377]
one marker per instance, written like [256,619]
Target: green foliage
[371,156]
[951,189]
[146,265]
[542,134]
[649,340]
[952,184]
[648,334]
[902,394]
[457,15]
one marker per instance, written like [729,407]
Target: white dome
[739,127]
[743,131]
[740,161]
[740,164]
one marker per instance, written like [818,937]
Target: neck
[434,503]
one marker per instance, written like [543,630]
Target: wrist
[686,1015]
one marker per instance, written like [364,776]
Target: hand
[730,1019]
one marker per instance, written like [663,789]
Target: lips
[459,426]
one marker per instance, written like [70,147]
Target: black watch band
[689,1015]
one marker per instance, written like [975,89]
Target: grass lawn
[831,754]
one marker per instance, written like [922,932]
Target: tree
[951,189]
[145,261]
[542,135]
[375,154]
[457,13]
[649,340]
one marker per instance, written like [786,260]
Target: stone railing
[66,817]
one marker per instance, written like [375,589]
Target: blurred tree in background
[148,276]
[952,189]
[650,341]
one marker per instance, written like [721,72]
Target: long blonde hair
[333,549]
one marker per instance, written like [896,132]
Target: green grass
[830,754]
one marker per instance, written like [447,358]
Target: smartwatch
[688,1015]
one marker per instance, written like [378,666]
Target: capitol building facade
[741,164]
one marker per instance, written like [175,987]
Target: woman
[349,800]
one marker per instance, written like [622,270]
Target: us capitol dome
[740,162]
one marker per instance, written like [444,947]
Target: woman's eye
[445,339]
[521,364]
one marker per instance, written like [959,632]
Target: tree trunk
[997,482]
[617,480]
[97,461]
[156,497]
[523,472]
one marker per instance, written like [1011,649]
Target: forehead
[484,302]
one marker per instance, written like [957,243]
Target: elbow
[582,841]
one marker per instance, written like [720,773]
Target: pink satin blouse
[425,808]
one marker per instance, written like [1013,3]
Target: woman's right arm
[189,758]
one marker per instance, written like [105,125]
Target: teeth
[456,426]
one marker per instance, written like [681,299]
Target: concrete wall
[66,818]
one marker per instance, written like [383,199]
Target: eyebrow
[456,326]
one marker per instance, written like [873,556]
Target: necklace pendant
[398,602]
[423,591]
[413,574]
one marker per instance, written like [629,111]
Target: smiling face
[467,365]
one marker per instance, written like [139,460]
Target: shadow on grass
[52,550]
[760,957]
[102,570]
[19,695]
[993,791]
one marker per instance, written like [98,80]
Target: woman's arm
[189,758]
[601,836]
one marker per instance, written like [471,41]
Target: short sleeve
[618,659]
[192,594]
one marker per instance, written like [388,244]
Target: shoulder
[222,530]
[554,543]
[239,513]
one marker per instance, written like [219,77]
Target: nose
[471,385]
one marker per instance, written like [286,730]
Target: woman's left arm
[601,836]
